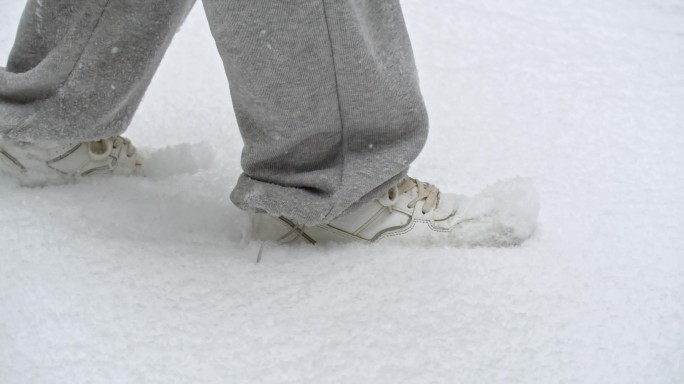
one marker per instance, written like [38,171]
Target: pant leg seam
[339,105]
[85,45]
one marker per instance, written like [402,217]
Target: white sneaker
[417,213]
[43,163]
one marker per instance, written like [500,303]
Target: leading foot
[417,213]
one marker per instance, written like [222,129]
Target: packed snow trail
[147,280]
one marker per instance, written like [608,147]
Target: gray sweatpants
[325,91]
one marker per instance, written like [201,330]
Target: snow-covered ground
[147,281]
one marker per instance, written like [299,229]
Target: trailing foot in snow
[44,163]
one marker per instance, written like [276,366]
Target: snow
[511,205]
[148,280]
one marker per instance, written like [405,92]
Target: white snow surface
[147,280]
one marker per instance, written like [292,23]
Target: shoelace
[426,192]
[120,140]
[298,229]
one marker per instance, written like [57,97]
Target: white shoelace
[298,229]
[427,193]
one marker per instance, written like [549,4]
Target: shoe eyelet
[100,150]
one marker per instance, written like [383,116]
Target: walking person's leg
[327,99]
[74,78]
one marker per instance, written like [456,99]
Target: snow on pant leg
[79,68]
[327,100]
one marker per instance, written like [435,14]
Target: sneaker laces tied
[120,140]
[427,193]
